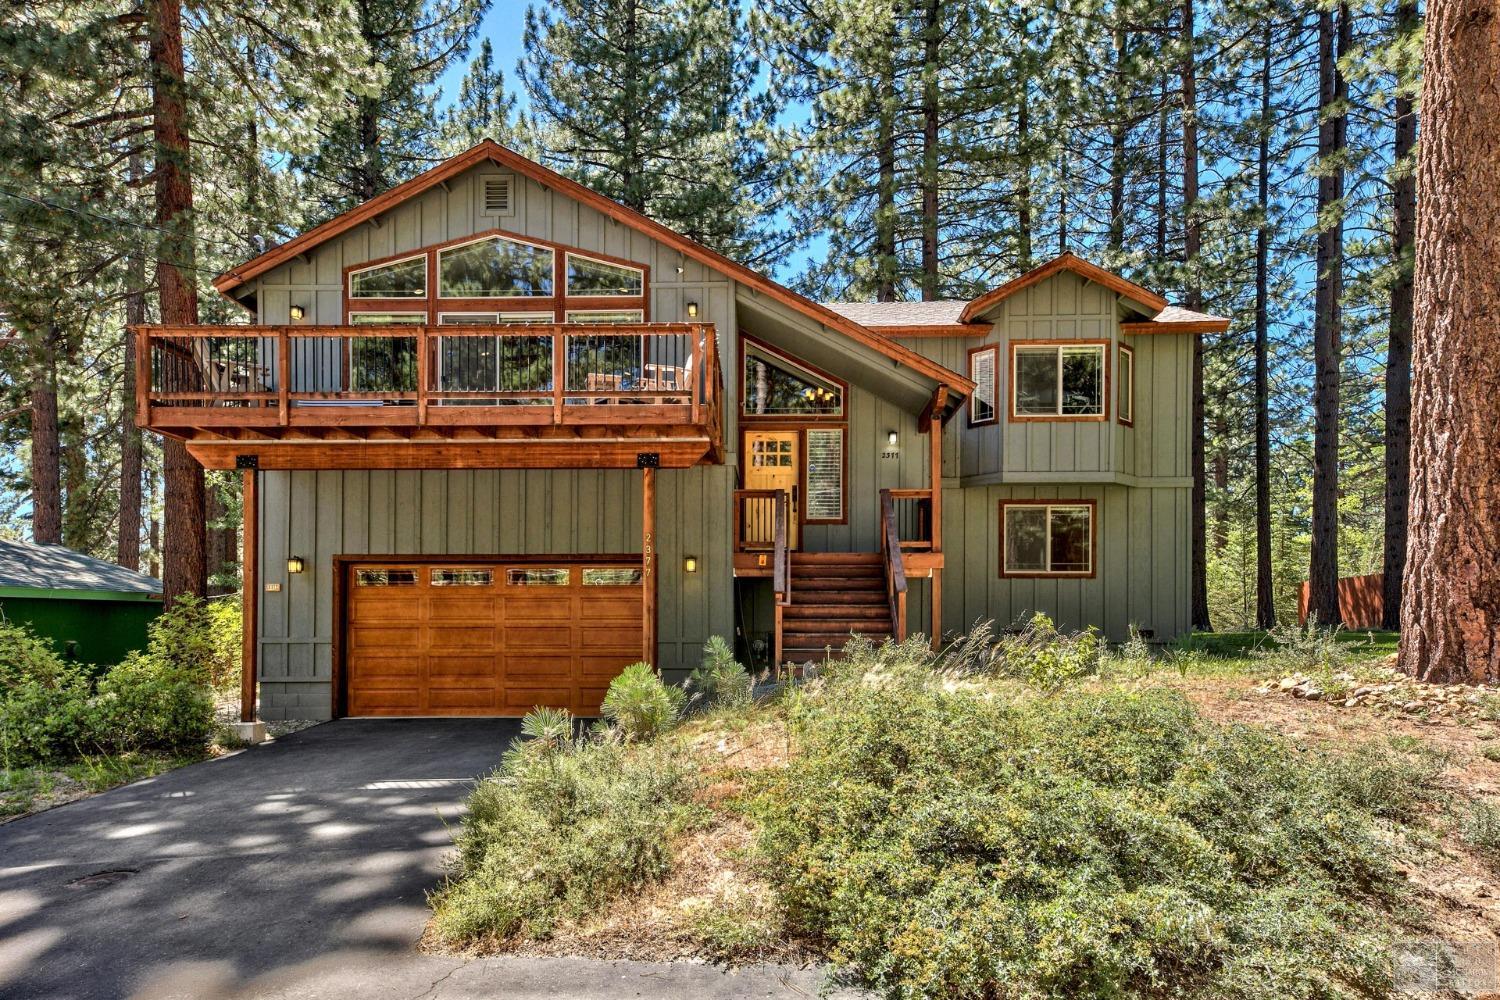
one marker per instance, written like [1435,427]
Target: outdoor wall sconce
[690,564]
[294,564]
[692,310]
[892,438]
[298,312]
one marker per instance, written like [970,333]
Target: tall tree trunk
[221,539]
[1398,349]
[46,453]
[1192,244]
[1450,615]
[885,195]
[1265,602]
[128,537]
[1163,138]
[1323,572]
[932,32]
[184,569]
[1221,472]
[1117,134]
[1023,190]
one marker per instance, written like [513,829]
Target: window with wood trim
[824,475]
[400,279]
[1059,381]
[1047,538]
[600,278]
[777,386]
[1125,379]
[471,279]
[495,267]
[984,364]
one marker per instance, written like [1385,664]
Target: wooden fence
[1361,601]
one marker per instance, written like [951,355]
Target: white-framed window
[494,267]
[606,316]
[1047,538]
[984,363]
[603,279]
[1058,381]
[1125,379]
[824,475]
[397,279]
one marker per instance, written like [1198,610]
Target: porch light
[294,564]
[692,310]
[690,564]
[892,438]
[298,312]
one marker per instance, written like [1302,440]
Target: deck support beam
[249,595]
[648,567]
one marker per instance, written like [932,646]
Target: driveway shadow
[313,851]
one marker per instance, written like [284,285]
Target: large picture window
[1047,538]
[481,279]
[777,386]
[1058,381]
[494,267]
[983,362]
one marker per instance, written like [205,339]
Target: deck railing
[755,520]
[911,511]
[442,375]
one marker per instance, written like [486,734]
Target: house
[92,611]
[501,436]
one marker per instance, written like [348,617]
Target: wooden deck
[420,396]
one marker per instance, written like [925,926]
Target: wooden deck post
[249,597]
[935,508]
[648,566]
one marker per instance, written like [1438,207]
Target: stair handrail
[781,568]
[895,569]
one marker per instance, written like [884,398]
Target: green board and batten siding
[318,515]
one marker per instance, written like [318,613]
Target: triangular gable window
[777,386]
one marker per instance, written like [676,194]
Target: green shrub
[1308,649]
[158,700]
[150,703]
[720,681]
[950,840]
[552,837]
[1038,654]
[640,705]
[1480,828]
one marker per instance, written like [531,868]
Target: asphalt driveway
[295,869]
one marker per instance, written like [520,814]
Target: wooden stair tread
[870,610]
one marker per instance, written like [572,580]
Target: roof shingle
[52,567]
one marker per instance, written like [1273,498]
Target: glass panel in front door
[771,464]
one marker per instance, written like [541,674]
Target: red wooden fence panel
[1361,601]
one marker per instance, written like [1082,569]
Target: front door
[773,465]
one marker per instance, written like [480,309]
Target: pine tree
[652,105]
[484,108]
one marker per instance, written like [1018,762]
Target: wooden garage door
[458,638]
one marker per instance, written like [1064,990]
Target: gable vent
[496,194]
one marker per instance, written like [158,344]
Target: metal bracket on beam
[247,461]
[648,460]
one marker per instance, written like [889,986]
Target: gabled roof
[52,567]
[1064,262]
[493,152]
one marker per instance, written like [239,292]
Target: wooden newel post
[648,566]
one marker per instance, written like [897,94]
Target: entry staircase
[825,598]
[834,595]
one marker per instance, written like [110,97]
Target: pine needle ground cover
[933,830]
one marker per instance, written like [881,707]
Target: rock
[1312,693]
[1351,702]
[1288,683]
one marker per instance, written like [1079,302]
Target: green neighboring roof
[43,570]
